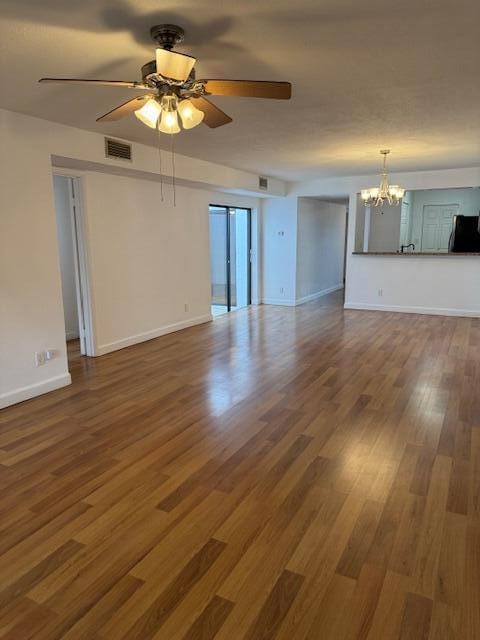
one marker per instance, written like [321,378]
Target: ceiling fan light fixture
[169,117]
[171,76]
[149,113]
[190,115]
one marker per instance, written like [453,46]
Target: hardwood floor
[297,474]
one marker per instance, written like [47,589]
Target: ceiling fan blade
[171,64]
[214,117]
[249,89]
[124,109]
[111,83]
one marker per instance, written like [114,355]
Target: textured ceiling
[366,74]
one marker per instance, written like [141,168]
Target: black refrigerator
[465,236]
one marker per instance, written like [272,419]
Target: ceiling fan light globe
[149,113]
[169,122]
[190,115]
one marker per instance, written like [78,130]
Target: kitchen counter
[413,253]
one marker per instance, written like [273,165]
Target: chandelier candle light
[385,193]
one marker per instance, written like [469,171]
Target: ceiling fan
[172,89]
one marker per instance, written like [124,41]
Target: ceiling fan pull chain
[160,162]
[173,171]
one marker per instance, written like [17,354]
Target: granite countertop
[412,253]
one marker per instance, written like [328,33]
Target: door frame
[80,258]
[227,209]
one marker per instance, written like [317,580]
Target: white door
[437,226]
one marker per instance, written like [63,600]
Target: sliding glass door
[230,240]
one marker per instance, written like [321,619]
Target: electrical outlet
[282,290]
[42,357]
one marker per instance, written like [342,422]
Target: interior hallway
[286,473]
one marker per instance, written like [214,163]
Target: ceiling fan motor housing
[167,35]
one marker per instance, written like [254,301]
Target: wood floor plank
[431,535]
[452,560]
[416,618]
[445,623]
[388,616]
[333,614]
[210,620]
[355,553]
[276,607]
[364,601]
[404,551]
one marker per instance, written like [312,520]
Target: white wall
[384,227]
[279,253]
[31,311]
[424,284]
[440,285]
[303,249]
[66,255]
[31,314]
[147,259]
[320,248]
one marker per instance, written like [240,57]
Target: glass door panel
[239,231]
[218,259]
[230,239]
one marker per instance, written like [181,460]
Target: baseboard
[150,335]
[429,311]
[33,390]
[319,294]
[279,301]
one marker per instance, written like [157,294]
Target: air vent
[117,149]
[262,183]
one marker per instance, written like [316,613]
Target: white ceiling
[366,74]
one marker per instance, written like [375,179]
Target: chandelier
[162,114]
[385,193]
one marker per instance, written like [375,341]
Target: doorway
[73,268]
[230,258]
